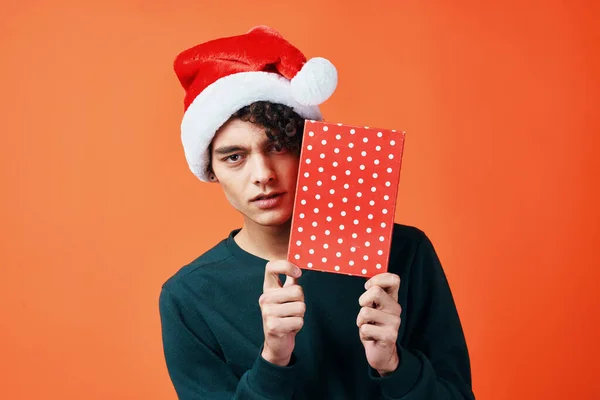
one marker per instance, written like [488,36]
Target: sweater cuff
[270,380]
[400,382]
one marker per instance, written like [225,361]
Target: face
[247,165]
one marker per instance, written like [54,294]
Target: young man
[232,329]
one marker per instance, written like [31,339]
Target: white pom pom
[315,82]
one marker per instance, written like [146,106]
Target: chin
[273,220]
[276,218]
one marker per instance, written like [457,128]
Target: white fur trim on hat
[220,100]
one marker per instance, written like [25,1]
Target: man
[231,328]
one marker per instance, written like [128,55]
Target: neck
[268,242]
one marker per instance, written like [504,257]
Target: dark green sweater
[212,331]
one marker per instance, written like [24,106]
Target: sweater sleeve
[198,371]
[434,360]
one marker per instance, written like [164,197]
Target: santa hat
[223,75]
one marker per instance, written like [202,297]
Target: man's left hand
[379,321]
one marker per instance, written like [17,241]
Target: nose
[263,170]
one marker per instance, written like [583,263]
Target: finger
[377,298]
[387,281]
[290,281]
[295,309]
[382,334]
[368,315]
[282,295]
[276,268]
[283,326]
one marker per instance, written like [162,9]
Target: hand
[379,321]
[282,309]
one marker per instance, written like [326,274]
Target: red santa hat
[223,75]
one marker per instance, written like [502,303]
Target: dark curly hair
[283,126]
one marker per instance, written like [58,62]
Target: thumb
[289,281]
[292,279]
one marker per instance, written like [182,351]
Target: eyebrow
[235,148]
[229,149]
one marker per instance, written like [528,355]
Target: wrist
[392,366]
[280,361]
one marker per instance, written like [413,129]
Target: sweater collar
[242,254]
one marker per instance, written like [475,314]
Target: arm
[433,357]
[198,370]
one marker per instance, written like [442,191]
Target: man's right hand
[282,310]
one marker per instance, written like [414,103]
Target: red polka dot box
[345,198]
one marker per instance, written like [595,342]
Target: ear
[212,176]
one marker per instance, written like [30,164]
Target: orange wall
[500,104]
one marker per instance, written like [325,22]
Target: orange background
[500,104]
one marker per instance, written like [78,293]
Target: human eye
[279,149]
[232,159]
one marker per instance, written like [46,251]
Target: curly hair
[283,126]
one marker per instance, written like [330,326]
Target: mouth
[266,196]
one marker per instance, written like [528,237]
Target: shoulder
[407,232]
[196,274]
[407,247]
[406,236]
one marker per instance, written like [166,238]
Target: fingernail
[367,285]
[297,271]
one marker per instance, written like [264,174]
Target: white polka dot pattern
[354,181]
